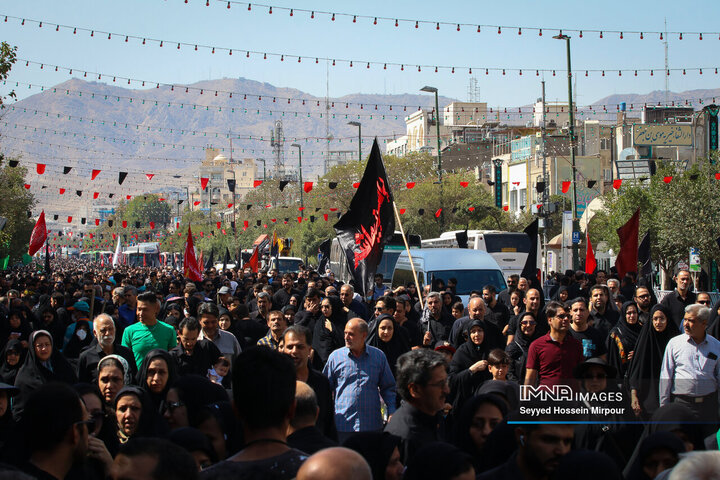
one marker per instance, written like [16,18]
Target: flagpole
[407,249]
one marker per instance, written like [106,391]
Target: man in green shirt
[148,333]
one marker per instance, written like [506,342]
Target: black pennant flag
[591,183]
[530,268]
[226,260]
[231,184]
[55,217]
[539,187]
[249,206]
[78,193]
[283,184]
[137,224]
[110,223]
[83,220]
[121,177]
[66,170]
[111,195]
[211,260]
[332,185]
[13,163]
[47,258]
[368,224]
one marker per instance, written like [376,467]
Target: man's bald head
[306,406]
[333,463]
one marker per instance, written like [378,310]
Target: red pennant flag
[253,262]
[196,203]
[39,235]
[218,225]
[410,184]
[307,186]
[356,184]
[149,175]
[506,208]
[190,264]
[464,184]
[230,205]
[223,230]
[96,195]
[590,261]
[325,216]
[95,173]
[438,213]
[203,182]
[114,236]
[177,225]
[667,179]
[62,191]
[333,209]
[27,186]
[627,258]
[124,223]
[565,186]
[402,211]
[273,220]
[299,219]
[70,221]
[152,225]
[472,209]
[301,209]
[202,234]
[617,183]
[257,183]
[128,197]
[246,224]
[97,222]
[717,176]
[40,168]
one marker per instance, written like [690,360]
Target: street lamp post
[571,132]
[264,178]
[439,157]
[359,125]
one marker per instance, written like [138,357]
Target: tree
[680,214]
[8,56]
[16,202]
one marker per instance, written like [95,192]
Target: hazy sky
[237,28]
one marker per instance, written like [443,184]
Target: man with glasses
[504,296]
[703,298]
[552,357]
[55,422]
[208,289]
[644,303]
[422,382]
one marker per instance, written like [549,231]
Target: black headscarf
[9,372]
[158,399]
[658,440]
[593,465]
[627,335]
[397,345]
[24,329]
[523,340]
[324,340]
[376,448]
[196,391]
[644,373]
[75,345]
[462,425]
[150,423]
[34,373]
[192,305]
[464,383]
[439,461]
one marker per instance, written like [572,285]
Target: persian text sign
[663,135]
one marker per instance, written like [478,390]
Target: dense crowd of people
[136,372]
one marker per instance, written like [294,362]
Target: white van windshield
[469,280]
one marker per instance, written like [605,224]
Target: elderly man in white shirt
[690,372]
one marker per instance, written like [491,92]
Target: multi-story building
[219,169]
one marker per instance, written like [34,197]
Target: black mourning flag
[13,163]
[249,206]
[211,260]
[231,184]
[324,254]
[591,183]
[539,187]
[462,239]
[66,170]
[226,260]
[111,195]
[332,185]
[530,268]
[110,223]
[47,257]
[368,224]
[78,193]
[644,256]
[121,177]
[137,224]
[283,184]
[55,217]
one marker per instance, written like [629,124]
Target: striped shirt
[358,383]
[269,341]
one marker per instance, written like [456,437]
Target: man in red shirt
[552,357]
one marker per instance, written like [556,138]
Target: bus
[142,255]
[509,249]
[339,265]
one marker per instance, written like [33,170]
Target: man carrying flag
[368,224]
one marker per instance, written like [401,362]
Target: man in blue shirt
[357,372]
[127,310]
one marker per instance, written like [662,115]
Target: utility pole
[571,134]
[546,183]
[439,157]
